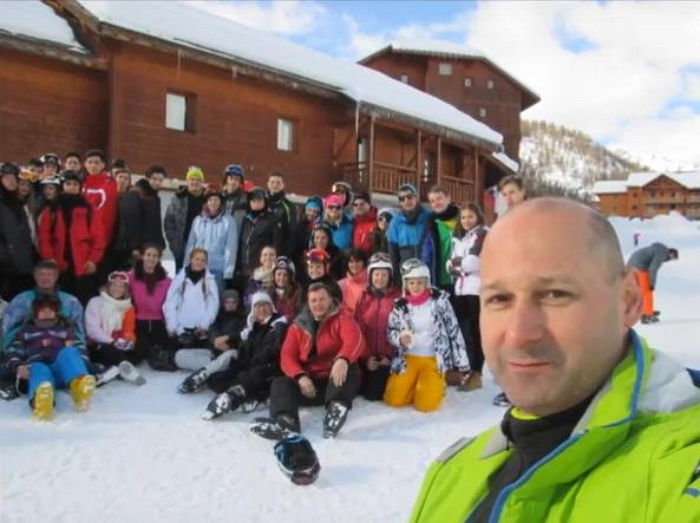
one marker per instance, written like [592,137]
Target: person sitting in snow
[319,361]
[224,340]
[45,352]
[427,342]
[246,381]
[110,321]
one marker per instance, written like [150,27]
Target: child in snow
[464,265]
[46,352]
[427,342]
[224,338]
[372,315]
[110,321]
[192,303]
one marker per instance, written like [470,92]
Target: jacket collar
[305,320]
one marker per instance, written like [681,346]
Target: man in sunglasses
[337,221]
[407,229]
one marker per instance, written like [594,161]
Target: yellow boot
[81,390]
[43,401]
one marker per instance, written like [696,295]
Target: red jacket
[372,314]
[85,235]
[337,336]
[100,190]
[362,231]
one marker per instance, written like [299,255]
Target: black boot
[227,401]
[161,359]
[277,428]
[194,382]
[333,421]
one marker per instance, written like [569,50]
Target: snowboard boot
[42,404]
[333,421]
[129,372]
[501,400]
[162,359]
[227,401]
[81,390]
[277,428]
[471,382]
[108,375]
[251,406]
[8,391]
[194,382]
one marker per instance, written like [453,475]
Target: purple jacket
[35,343]
[148,306]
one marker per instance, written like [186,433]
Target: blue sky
[624,72]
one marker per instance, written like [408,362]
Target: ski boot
[333,421]
[81,390]
[277,428]
[108,375]
[162,359]
[227,401]
[194,382]
[42,404]
[649,319]
[129,372]
[8,391]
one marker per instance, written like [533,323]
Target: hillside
[553,154]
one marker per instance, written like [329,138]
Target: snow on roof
[507,161]
[445,48]
[189,26]
[640,179]
[609,187]
[36,20]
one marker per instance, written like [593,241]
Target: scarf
[412,215]
[418,299]
[194,276]
[113,311]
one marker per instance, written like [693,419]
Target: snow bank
[35,19]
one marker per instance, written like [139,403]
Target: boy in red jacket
[100,190]
[319,359]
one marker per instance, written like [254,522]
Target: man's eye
[497,299]
[556,294]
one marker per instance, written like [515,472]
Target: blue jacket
[219,236]
[405,237]
[342,232]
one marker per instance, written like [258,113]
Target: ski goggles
[119,276]
[316,256]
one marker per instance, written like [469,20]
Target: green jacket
[633,457]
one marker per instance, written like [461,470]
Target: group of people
[269,300]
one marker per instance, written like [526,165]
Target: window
[482,112]
[467,82]
[445,69]
[285,134]
[489,84]
[404,78]
[180,112]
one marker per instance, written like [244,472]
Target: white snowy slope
[34,19]
[143,454]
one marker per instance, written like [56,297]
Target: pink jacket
[148,306]
[352,288]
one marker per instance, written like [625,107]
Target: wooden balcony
[387,178]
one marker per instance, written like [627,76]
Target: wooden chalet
[163,82]
[647,194]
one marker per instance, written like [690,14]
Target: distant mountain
[552,155]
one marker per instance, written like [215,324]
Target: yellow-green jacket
[633,457]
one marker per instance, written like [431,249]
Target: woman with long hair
[464,265]
[322,238]
[355,281]
[287,299]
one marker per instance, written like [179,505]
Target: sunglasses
[406,197]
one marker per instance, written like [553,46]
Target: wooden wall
[236,121]
[49,106]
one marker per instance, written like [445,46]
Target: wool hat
[257,192]
[364,196]
[261,297]
[230,294]
[194,173]
[314,202]
[390,212]
[408,187]
[333,199]
[9,168]
[50,158]
[234,169]
[71,175]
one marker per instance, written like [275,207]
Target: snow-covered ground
[143,454]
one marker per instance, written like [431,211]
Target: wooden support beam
[438,162]
[344,144]
[419,155]
[370,159]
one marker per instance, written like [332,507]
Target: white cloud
[618,88]
[288,17]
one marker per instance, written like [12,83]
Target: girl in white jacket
[464,265]
[192,302]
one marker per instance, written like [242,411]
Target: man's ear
[631,298]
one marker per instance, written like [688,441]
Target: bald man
[603,428]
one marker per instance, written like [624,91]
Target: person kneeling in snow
[319,359]
[425,333]
[224,340]
[247,379]
[45,352]
[110,321]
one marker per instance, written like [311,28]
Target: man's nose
[526,324]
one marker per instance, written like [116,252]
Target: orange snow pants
[647,294]
[421,385]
